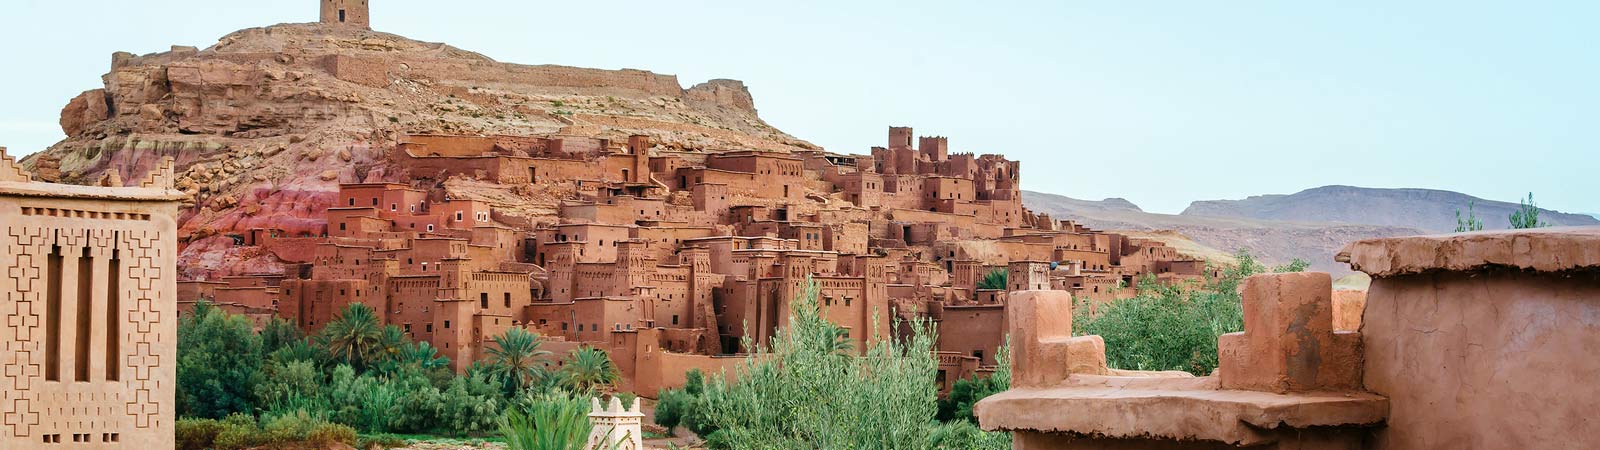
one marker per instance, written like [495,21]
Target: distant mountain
[1596,215]
[1424,209]
[1275,242]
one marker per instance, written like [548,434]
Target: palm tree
[424,356]
[588,369]
[517,359]
[391,352]
[354,336]
[995,279]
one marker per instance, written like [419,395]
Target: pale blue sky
[1158,102]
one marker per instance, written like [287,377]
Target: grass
[393,440]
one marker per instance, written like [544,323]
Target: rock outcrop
[266,123]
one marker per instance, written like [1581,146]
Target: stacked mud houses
[669,259]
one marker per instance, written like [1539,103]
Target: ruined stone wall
[539,78]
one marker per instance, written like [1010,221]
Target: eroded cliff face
[265,124]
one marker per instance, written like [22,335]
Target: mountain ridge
[1275,242]
[1432,210]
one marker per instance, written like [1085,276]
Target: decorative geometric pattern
[143,250]
[27,247]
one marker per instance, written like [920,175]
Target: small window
[446,324]
[427,327]
[674,319]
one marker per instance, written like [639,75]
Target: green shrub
[1471,221]
[1173,327]
[295,385]
[418,406]
[964,435]
[196,434]
[802,392]
[472,404]
[547,422]
[360,401]
[383,441]
[298,429]
[239,431]
[1527,215]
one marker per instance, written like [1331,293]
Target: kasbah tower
[346,12]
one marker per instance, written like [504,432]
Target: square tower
[90,290]
[346,12]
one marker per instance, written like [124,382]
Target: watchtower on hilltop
[346,12]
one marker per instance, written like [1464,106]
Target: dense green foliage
[1173,327]
[218,357]
[1527,215]
[803,392]
[355,375]
[995,279]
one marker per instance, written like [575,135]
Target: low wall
[659,369]
[1484,340]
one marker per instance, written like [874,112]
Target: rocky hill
[1425,209]
[1275,242]
[268,121]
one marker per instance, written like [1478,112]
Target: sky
[1161,103]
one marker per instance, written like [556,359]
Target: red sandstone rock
[89,108]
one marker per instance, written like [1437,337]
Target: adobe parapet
[1469,340]
[1288,381]
[1484,339]
[1540,250]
